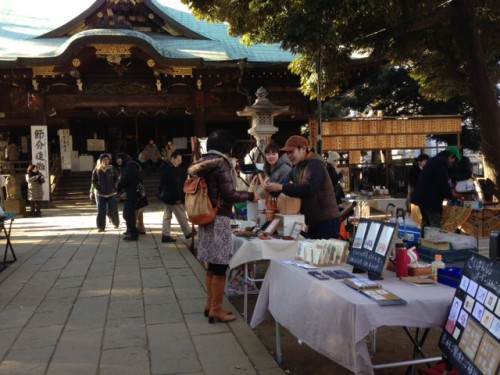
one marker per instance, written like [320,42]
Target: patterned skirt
[215,242]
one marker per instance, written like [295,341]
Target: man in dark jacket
[172,194]
[433,186]
[129,179]
[104,178]
[413,176]
[312,184]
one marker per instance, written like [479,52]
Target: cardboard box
[287,222]
[423,269]
[435,244]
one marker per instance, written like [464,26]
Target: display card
[488,355]
[471,336]
[471,339]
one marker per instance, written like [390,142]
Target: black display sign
[372,246]
[471,336]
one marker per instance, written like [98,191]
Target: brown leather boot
[216,311]
[208,282]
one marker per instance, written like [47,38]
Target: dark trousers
[107,204]
[129,215]
[430,219]
[325,230]
[35,208]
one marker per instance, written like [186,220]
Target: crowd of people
[295,170]
[432,180]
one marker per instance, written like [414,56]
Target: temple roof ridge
[172,33]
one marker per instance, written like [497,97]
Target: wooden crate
[482,222]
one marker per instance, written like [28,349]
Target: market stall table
[334,319]
[247,250]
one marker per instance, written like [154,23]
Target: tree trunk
[481,88]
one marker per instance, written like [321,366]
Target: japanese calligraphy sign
[66,144]
[40,155]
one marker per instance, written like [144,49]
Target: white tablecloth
[249,250]
[334,319]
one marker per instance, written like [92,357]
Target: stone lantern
[262,113]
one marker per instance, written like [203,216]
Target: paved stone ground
[81,302]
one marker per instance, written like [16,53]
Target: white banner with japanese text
[66,145]
[40,155]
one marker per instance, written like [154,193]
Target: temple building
[126,71]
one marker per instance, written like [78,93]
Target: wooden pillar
[200,129]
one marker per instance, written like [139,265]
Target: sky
[59,11]
[32,17]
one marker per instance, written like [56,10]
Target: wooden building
[127,71]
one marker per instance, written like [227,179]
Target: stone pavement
[81,302]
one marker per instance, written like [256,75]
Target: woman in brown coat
[215,242]
[35,189]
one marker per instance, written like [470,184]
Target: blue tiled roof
[21,22]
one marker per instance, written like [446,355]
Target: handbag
[142,199]
[141,202]
[257,187]
[162,195]
[465,186]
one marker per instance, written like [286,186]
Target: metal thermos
[402,260]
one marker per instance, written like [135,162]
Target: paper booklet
[360,283]
[374,291]
[419,280]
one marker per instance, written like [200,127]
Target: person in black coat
[413,176]
[129,179]
[172,195]
[433,186]
[104,179]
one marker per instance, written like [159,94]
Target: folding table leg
[8,245]
[245,295]
[279,357]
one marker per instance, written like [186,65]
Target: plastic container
[450,276]
[457,241]
[449,256]
[436,265]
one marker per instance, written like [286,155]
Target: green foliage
[406,32]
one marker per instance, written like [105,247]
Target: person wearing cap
[128,181]
[434,185]
[309,181]
[462,169]
[332,163]
[104,178]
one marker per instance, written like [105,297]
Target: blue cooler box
[410,233]
[449,276]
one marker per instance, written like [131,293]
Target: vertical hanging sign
[40,155]
[66,144]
